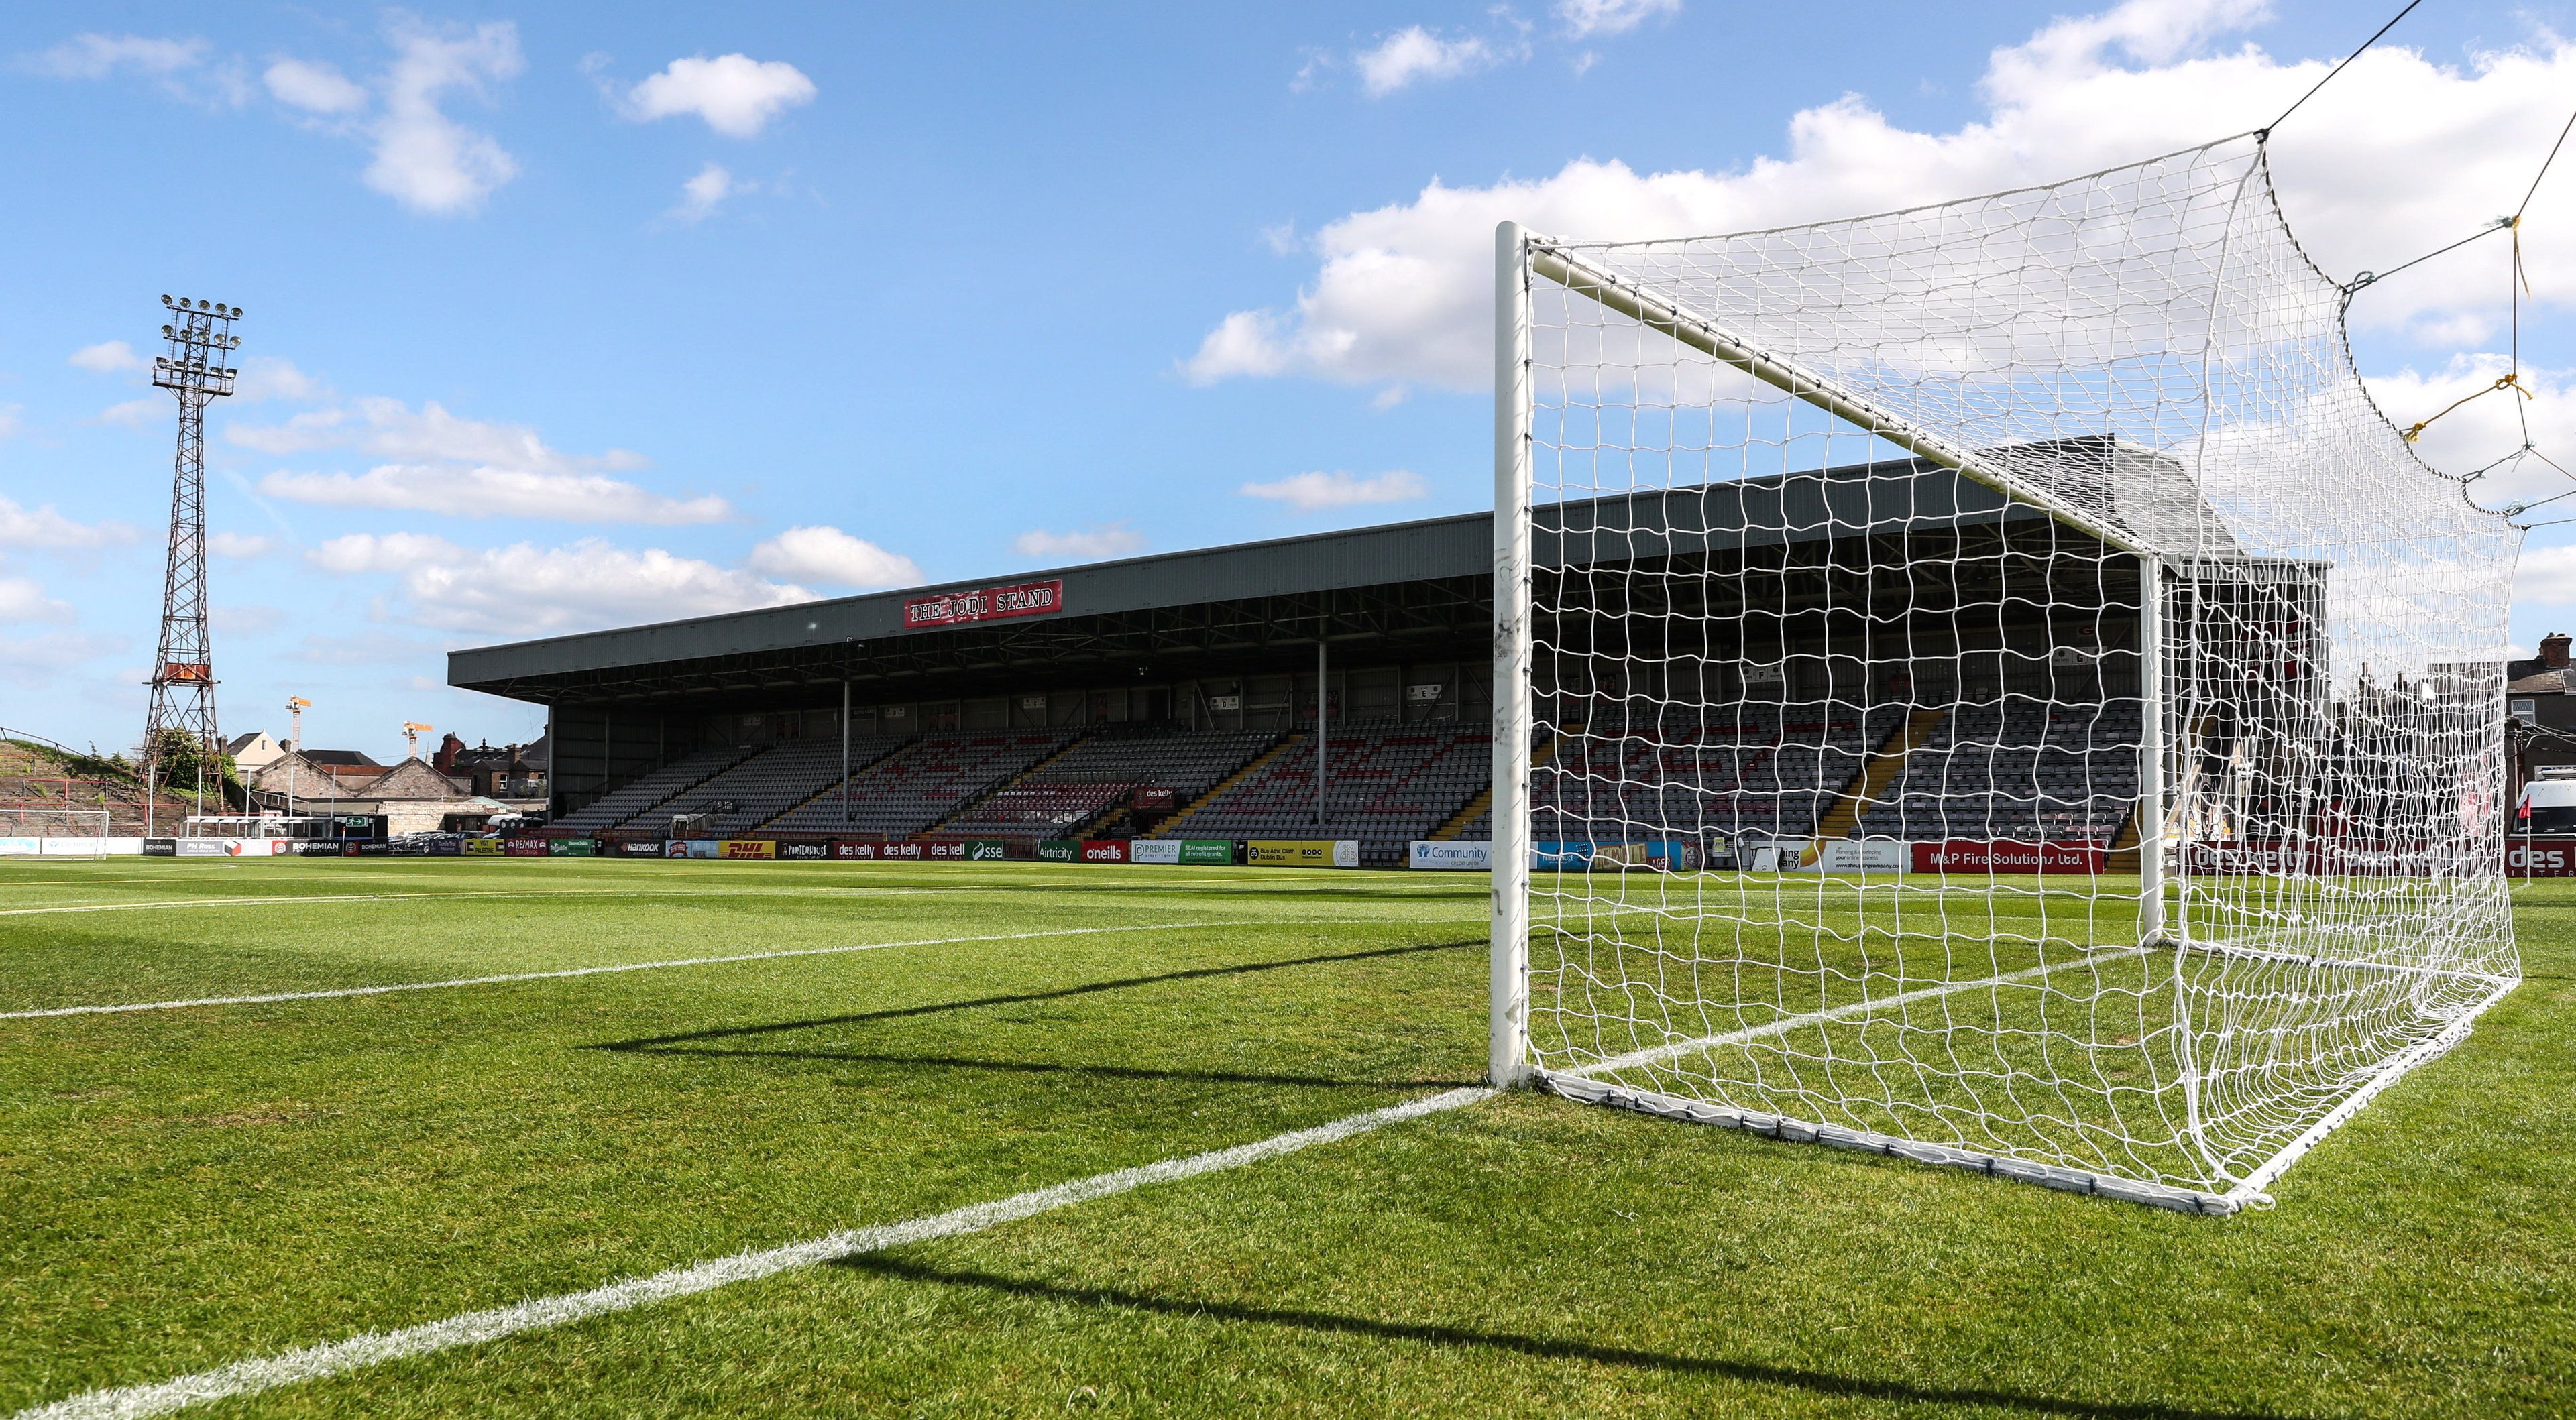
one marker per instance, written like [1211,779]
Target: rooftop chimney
[2553,651]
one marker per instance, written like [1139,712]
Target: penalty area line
[472,1328]
[337,992]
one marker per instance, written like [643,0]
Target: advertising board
[160,848]
[1452,857]
[1866,855]
[805,852]
[946,850]
[852,850]
[21,847]
[524,847]
[1059,850]
[984,604]
[1208,852]
[691,848]
[482,848]
[571,848]
[1155,797]
[746,848]
[1104,850]
[1970,856]
[1154,850]
[445,847]
[319,848]
[202,847]
[640,848]
[908,852]
[986,850]
[2540,857]
[1302,853]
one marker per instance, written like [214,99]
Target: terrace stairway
[1875,776]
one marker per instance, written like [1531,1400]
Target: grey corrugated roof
[1794,507]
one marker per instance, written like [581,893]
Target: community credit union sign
[984,604]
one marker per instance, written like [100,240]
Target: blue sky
[577,315]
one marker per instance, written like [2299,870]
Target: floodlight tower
[198,369]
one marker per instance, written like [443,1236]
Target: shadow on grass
[1040,1067]
[664,1042]
[1545,1347]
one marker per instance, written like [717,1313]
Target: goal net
[1983,683]
[54,832]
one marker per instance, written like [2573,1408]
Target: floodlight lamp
[236,313]
[165,300]
[166,333]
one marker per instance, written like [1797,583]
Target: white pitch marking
[1787,1024]
[373,1348]
[590,971]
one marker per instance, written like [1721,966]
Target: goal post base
[1797,1131]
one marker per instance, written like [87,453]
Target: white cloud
[44,528]
[1585,18]
[736,94]
[107,357]
[2546,576]
[246,620]
[182,68]
[486,491]
[700,196]
[135,413]
[267,377]
[424,159]
[240,546]
[827,554]
[1313,492]
[57,650]
[1414,54]
[1086,545]
[21,599]
[431,434]
[526,590]
[95,56]
[2399,156]
[313,87]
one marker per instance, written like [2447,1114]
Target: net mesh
[1906,590]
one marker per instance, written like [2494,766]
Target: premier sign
[984,604]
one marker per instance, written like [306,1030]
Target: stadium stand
[655,787]
[2019,769]
[1762,770]
[1387,783]
[771,782]
[915,787]
[1097,775]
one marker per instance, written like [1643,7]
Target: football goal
[1984,684]
[55,832]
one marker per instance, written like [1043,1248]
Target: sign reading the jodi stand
[984,604]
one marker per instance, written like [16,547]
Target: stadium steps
[828,790]
[1881,771]
[1477,806]
[967,808]
[1164,829]
[2123,857]
[742,754]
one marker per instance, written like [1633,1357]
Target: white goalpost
[2066,716]
[55,832]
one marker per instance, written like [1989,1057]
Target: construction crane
[412,731]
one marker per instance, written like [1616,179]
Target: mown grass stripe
[375,1348]
[336,992]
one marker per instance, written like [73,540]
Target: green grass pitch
[182,1189]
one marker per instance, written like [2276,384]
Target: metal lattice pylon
[198,370]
